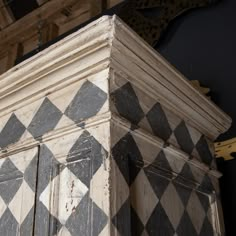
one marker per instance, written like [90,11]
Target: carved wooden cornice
[109,43]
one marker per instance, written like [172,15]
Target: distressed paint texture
[139,108]
[113,158]
[106,175]
[162,194]
[18,175]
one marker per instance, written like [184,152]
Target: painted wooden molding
[225,149]
[109,43]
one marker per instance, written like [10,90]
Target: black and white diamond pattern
[159,203]
[71,188]
[71,178]
[15,190]
[49,113]
[78,166]
[132,104]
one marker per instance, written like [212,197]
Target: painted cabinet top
[109,44]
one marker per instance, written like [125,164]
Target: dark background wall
[202,45]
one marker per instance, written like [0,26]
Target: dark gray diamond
[77,223]
[127,103]
[159,223]
[81,222]
[48,169]
[86,103]
[183,192]
[9,188]
[206,185]
[207,229]
[162,162]
[10,180]
[205,201]
[128,157]
[45,119]
[26,227]
[136,224]
[8,171]
[45,223]
[100,219]
[86,154]
[186,175]
[12,131]
[158,183]
[186,227]
[8,224]
[122,219]
[81,148]
[158,122]
[183,138]
[31,173]
[204,151]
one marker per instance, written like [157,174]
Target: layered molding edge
[109,44]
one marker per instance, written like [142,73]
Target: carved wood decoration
[150,29]
[226,149]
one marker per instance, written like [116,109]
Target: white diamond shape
[100,80]
[195,135]
[172,205]
[25,114]
[173,119]
[64,232]
[65,122]
[176,164]
[4,120]
[196,211]
[148,150]
[22,202]
[120,192]
[143,198]
[118,132]
[3,207]
[68,191]
[22,159]
[62,98]
[101,133]
[172,139]
[99,188]
[60,147]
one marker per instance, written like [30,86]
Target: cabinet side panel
[157,191]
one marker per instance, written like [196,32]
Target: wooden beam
[97,6]
[31,20]
[6,18]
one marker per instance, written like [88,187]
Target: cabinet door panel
[66,187]
[17,193]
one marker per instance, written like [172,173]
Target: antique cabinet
[100,135]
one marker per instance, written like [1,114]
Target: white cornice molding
[134,58]
[108,42]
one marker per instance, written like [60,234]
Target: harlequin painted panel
[18,174]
